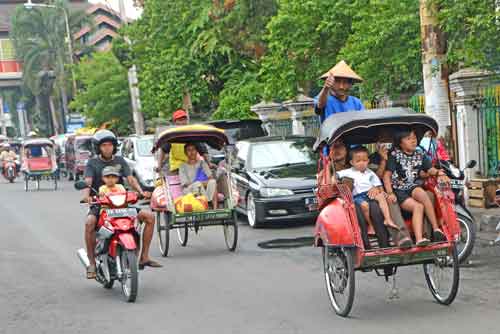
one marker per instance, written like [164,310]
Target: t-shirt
[95,166]
[406,168]
[177,156]
[363,181]
[118,188]
[335,105]
[36,151]
[187,172]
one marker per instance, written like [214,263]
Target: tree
[39,40]
[104,96]
[384,47]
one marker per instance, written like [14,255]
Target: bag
[200,175]
[191,203]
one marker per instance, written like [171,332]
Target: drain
[287,243]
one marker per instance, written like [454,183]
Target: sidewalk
[485,253]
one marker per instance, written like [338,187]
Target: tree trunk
[187,104]
[53,113]
[435,70]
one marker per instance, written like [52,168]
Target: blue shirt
[334,105]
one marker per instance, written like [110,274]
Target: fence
[489,113]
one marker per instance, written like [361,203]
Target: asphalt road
[205,289]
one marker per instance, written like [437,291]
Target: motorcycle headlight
[118,200]
[275,192]
[455,172]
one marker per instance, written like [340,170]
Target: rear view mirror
[80,185]
[471,164]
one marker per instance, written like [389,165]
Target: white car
[137,152]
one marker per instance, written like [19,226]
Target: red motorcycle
[117,242]
[9,170]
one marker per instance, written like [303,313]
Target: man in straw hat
[334,97]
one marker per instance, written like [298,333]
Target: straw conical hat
[344,71]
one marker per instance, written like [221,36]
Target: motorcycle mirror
[471,164]
[80,185]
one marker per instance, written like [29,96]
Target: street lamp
[29,5]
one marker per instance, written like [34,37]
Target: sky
[131,11]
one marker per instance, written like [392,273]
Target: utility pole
[435,70]
[133,83]
[3,118]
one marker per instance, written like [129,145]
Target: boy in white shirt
[366,185]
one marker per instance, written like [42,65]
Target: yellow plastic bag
[191,203]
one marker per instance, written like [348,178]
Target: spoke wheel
[163,228]
[231,233]
[55,183]
[338,266]
[465,244]
[251,211]
[38,183]
[182,235]
[130,274]
[443,276]
[26,183]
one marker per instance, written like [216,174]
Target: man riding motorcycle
[8,154]
[106,143]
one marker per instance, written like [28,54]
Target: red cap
[178,114]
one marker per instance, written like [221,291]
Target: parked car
[78,150]
[236,130]
[275,179]
[137,152]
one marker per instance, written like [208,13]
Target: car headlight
[455,172]
[274,192]
[118,200]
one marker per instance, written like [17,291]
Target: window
[282,153]
[7,51]
[144,147]
[242,151]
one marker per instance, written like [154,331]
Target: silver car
[137,152]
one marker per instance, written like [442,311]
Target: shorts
[403,195]
[361,197]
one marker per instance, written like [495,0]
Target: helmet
[104,136]
[32,134]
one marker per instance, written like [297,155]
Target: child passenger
[366,185]
[406,170]
[110,177]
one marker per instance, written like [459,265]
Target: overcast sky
[132,12]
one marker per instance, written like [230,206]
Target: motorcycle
[117,242]
[466,220]
[9,169]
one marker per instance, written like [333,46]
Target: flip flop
[438,235]
[150,263]
[405,243]
[422,243]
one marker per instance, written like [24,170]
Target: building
[98,38]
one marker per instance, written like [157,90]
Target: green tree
[384,47]
[104,94]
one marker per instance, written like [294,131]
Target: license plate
[311,203]
[119,213]
[457,184]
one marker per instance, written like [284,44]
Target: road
[204,288]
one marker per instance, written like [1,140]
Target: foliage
[472,29]
[104,95]
[384,47]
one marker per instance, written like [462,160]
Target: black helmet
[104,136]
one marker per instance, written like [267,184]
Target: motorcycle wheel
[465,244]
[130,274]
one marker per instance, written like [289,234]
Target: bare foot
[390,223]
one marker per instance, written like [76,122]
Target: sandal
[91,272]
[405,243]
[149,263]
[438,235]
[422,243]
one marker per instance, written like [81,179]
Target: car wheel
[251,212]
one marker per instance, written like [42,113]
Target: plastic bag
[191,203]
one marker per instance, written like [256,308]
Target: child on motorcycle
[404,177]
[110,177]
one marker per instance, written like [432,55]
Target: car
[137,152]
[236,130]
[275,178]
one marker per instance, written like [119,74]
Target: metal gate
[489,111]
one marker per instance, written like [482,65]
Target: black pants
[378,225]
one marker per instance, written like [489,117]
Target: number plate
[457,184]
[119,213]
[311,203]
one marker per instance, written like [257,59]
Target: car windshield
[282,153]
[144,146]
[84,145]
